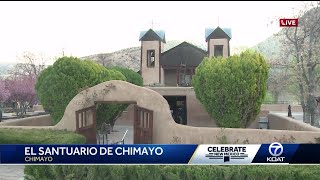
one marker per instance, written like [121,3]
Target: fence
[104,138]
[102,135]
[277,102]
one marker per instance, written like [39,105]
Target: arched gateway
[164,129]
[151,110]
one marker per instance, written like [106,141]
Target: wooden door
[143,125]
[86,124]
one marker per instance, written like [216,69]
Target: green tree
[232,89]
[59,83]
[131,76]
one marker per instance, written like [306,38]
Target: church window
[150,58]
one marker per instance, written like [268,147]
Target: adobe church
[170,73]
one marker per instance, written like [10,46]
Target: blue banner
[96,154]
[222,154]
[288,153]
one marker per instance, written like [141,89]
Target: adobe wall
[196,135]
[127,119]
[197,115]
[117,91]
[285,123]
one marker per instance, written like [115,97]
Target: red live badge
[288,22]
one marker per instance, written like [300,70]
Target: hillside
[4,68]
[270,48]
[130,57]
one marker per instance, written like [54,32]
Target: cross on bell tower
[153,23]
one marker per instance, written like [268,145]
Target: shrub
[269,98]
[58,84]
[158,172]
[39,136]
[131,76]
[232,89]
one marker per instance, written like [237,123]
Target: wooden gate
[143,125]
[86,124]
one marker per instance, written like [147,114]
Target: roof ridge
[159,33]
[209,31]
[192,44]
[179,42]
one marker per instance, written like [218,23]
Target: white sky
[86,28]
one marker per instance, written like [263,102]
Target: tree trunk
[317,116]
[304,115]
[113,121]
[276,97]
[0,114]
[311,110]
[303,104]
[311,84]
[21,110]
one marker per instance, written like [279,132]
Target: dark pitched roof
[184,53]
[216,33]
[152,35]
[171,44]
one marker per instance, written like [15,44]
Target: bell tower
[152,43]
[218,40]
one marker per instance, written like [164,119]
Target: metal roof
[160,33]
[208,31]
